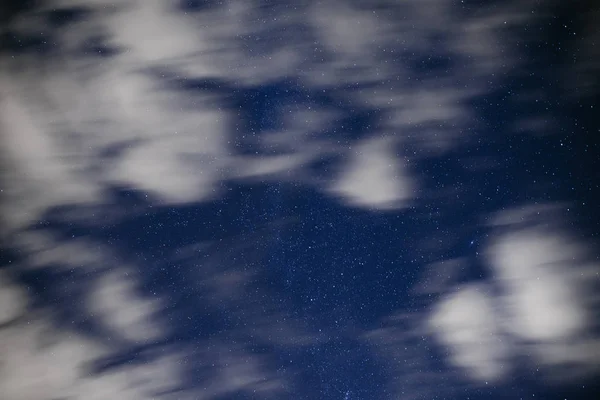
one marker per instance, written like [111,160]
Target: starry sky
[335,199]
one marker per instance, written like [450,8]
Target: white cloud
[70,109]
[346,31]
[573,359]
[180,156]
[59,368]
[177,155]
[115,302]
[153,32]
[44,249]
[45,358]
[13,300]
[465,322]
[160,168]
[60,115]
[544,302]
[29,372]
[434,106]
[537,271]
[374,177]
[39,173]
[279,166]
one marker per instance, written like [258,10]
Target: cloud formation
[467,325]
[543,305]
[144,96]
[79,105]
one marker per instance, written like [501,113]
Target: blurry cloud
[465,322]
[439,276]
[432,106]
[41,360]
[13,300]
[230,369]
[538,273]
[60,115]
[542,308]
[346,31]
[235,285]
[152,32]
[401,342]
[486,39]
[45,351]
[114,300]
[29,372]
[281,167]
[44,248]
[582,79]
[71,109]
[38,173]
[526,214]
[374,177]
[69,362]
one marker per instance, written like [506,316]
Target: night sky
[299,200]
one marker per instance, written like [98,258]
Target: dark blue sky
[280,284]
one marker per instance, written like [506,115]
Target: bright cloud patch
[466,323]
[544,307]
[12,300]
[115,302]
[374,177]
[41,361]
[538,272]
